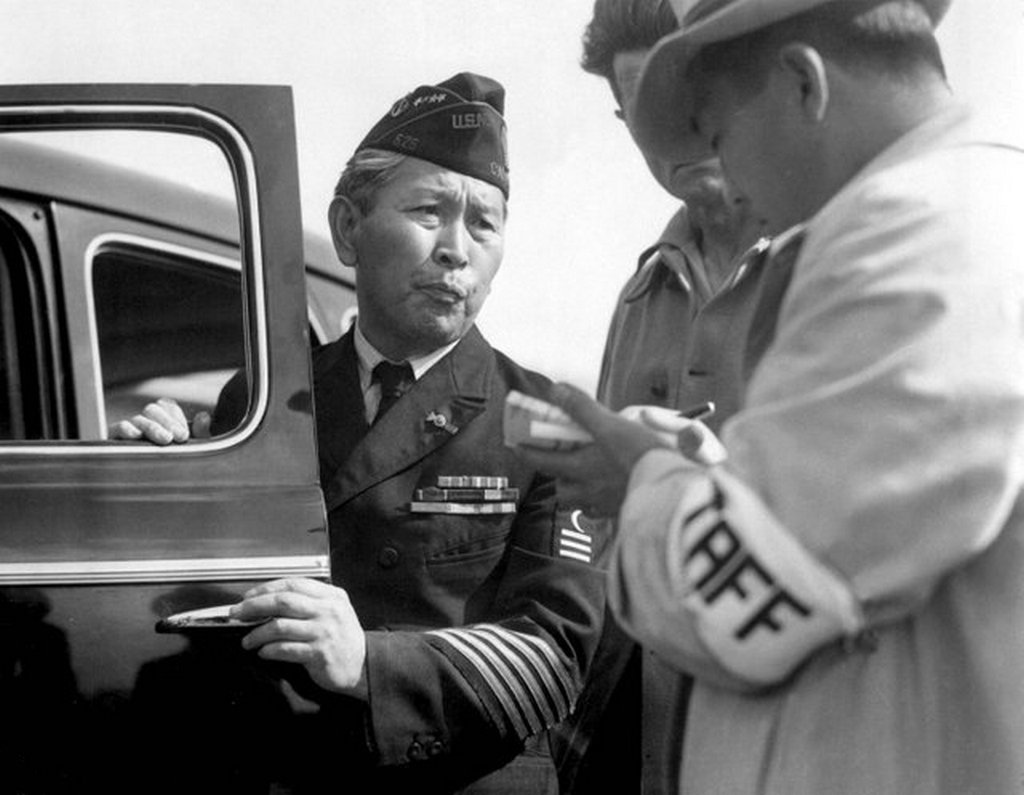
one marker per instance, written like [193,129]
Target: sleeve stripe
[542,704]
[513,714]
[556,676]
[577,536]
[542,683]
[510,688]
[527,677]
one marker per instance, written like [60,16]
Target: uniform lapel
[435,410]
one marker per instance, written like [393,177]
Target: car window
[167,325]
[135,237]
[12,414]
[121,283]
[24,402]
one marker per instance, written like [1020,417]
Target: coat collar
[435,410]
[677,261]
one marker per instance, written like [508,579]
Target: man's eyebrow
[429,189]
[487,206]
[481,200]
[433,190]
[476,201]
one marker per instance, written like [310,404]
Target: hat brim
[661,116]
[662,112]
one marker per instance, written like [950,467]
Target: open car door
[118,286]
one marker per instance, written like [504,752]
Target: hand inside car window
[162,422]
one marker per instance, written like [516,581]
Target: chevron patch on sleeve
[574,539]
[534,688]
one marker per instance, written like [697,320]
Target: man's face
[701,185]
[425,257]
[758,147]
[627,66]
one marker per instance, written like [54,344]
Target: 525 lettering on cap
[457,124]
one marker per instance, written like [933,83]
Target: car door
[109,295]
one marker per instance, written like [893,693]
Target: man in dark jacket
[465,606]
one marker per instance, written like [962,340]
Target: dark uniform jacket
[480,626]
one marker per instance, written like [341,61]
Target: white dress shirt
[369,357]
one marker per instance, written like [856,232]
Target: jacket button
[416,752]
[388,558]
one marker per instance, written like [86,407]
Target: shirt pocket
[466,569]
[485,546]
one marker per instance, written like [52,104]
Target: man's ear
[344,218]
[807,72]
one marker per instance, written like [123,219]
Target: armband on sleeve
[760,602]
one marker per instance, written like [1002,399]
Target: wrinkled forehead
[423,177]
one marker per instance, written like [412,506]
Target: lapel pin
[440,421]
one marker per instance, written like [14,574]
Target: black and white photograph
[547,397]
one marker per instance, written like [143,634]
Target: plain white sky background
[582,202]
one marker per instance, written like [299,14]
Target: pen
[699,412]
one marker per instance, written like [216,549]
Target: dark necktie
[778,272]
[394,380]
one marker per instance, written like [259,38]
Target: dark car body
[116,288]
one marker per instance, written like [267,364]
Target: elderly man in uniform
[848,585]
[676,340]
[460,622]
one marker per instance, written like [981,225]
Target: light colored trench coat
[884,429]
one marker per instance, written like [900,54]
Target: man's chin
[715,216]
[439,331]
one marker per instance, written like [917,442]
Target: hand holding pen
[595,475]
[684,430]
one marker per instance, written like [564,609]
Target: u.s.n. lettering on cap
[457,124]
[660,117]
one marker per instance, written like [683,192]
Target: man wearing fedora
[847,587]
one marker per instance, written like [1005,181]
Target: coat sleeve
[471,695]
[880,450]
[232,403]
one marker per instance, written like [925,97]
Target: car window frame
[116,240]
[192,119]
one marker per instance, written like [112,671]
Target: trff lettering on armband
[721,566]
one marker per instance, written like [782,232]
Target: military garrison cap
[457,124]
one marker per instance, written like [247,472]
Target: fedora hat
[659,117]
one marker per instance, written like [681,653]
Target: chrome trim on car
[245,173]
[102,572]
[319,333]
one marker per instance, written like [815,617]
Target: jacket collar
[676,259]
[435,410]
